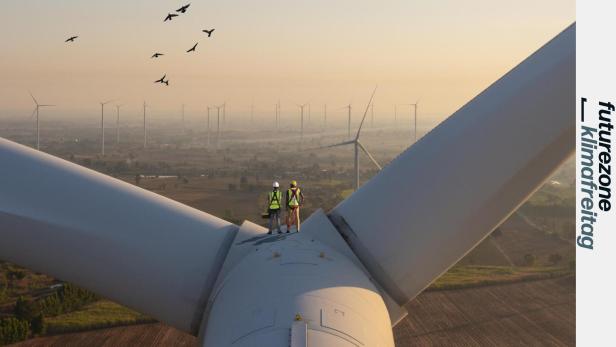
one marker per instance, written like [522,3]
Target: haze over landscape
[322,51]
[516,287]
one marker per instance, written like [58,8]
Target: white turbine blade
[33,99]
[47,105]
[336,145]
[442,196]
[369,155]
[140,249]
[33,113]
[365,113]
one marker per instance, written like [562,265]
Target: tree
[25,309]
[38,324]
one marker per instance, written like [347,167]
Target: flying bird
[209,32]
[71,39]
[193,48]
[156,55]
[182,9]
[170,16]
[162,80]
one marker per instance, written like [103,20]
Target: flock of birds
[169,17]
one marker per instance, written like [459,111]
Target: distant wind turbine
[414,119]
[183,120]
[208,127]
[118,125]
[301,129]
[358,145]
[145,135]
[103,125]
[36,110]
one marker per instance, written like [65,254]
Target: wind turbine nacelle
[293,287]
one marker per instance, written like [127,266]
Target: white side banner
[595,236]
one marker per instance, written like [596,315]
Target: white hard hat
[275,185]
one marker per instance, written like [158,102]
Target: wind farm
[161,238]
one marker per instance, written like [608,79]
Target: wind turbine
[218,124]
[301,129]
[183,120]
[208,127]
[36,110]
[103,125]
[145,134]
[357,144]
[358,281]
[325,116]
[414,106]
[278,114]
[118,125]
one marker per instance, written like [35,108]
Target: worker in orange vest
[295,199]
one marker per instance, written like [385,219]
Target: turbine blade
[336,144]
[444,194]
[369,155]
[33,99]
[140,249]
[365,113]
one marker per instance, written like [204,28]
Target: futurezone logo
[594,187]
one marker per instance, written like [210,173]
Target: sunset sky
[441,52]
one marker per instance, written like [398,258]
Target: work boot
[269,232]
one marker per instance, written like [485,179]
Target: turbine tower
[414,106]
[183,121]
[218,124]
[301,129]
[208,128]
[36,110]
[118,125]
[325,116]
[103,125]
[358,145]
[145,134]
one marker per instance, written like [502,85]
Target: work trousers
[293,217]
[274,216]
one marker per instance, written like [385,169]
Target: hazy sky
[441,51]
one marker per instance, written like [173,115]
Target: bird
[71,39]
[182,9]
[156,55]
[162,80]
[193,48]
[209,32]
[170,16]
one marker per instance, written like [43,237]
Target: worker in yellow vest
[294,199]
[274,203]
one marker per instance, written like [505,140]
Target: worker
[274,203]
[294,199]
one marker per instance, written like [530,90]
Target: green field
[100,314]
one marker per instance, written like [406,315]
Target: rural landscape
[516,287]
[212,104]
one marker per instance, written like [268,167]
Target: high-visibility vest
[274,199]
[293,197]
